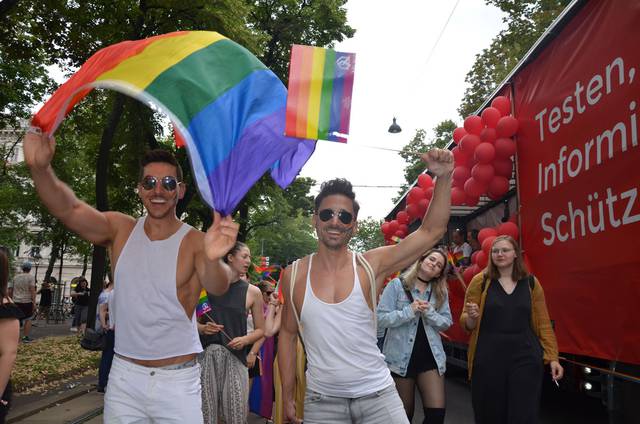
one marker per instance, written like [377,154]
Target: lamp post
[394,128]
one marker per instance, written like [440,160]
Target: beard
[335,244]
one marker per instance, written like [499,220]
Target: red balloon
[485,152]
[402,217]
[428,193]
[423,204]
[486,244]
[502,167]
[469,143]
[459,158]
[498,187]
[461,174]
[413,210]
[503,104]
[474,256]
[458,196]
[483,172]
[488,135]
[482,259]
[486,232]
[474,188]
[473,124]
[458,133]
[415,194]
[508,229]
[404,228]
[425,181]
[385,228]
[471,201]
[399,233]
[469,273]
[505,148]
[490,117]
[507,126]
[393,226]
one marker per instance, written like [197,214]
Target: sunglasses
[326,214]
[169,182]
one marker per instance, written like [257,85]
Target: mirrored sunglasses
[326,214]
[169,182]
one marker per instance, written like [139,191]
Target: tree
[412,152]
[368,235]
[526,21]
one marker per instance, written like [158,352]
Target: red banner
[579,174]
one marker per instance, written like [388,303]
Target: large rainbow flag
[226,105]
[320,87]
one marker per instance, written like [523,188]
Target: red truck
[575,196]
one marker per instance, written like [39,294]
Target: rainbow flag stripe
[226,105]
[203,306]
[320,87]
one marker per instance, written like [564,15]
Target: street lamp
[394,128]
[35,257]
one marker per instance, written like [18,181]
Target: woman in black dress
[511,339]
[10,315]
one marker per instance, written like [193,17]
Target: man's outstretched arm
[389,259]
[58,198]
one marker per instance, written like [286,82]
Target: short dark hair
[159,155]
[336,186]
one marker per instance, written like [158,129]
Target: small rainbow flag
[319,98]
[203,304]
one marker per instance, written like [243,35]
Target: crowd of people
[163,364]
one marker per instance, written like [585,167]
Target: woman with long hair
[511,338]
[224,362]
[10,315]
[414,309]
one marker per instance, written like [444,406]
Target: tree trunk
[85,263]
[243,211]
[99,257]
[52,261]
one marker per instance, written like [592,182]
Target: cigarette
[557,384]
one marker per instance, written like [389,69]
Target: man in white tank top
[160,266]
[347,378]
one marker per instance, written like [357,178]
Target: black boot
[434,415]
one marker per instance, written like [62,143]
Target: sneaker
[27,339]
[73,329]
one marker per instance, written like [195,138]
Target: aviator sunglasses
[169,182]
[344,216]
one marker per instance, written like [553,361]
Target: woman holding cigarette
[225,380]
[511,337]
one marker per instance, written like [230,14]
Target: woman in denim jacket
[414,309]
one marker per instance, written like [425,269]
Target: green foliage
[412,152]
[526,21]
[368,235]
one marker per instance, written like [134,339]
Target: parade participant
[415,308]
[46,296]
[23,292]
[225,379]
[461,249]
[511,336]
[160,265]
[80,296]
[333,303]
[104,323]
[10,314]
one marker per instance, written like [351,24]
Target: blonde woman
[414,309]
[511,337]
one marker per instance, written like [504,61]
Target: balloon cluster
[417,203]
[486,236]
[483,154]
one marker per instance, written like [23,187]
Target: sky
[394,76]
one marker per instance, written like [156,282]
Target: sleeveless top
[341,344]
[151,322]
[229,310]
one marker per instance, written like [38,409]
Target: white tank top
[340,341]
[151,323]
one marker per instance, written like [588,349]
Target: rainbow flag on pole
[319,98]
[203,304]
[226,106]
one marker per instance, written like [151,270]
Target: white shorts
[137,394]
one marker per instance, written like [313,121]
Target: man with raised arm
[160,265]
[347,378]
